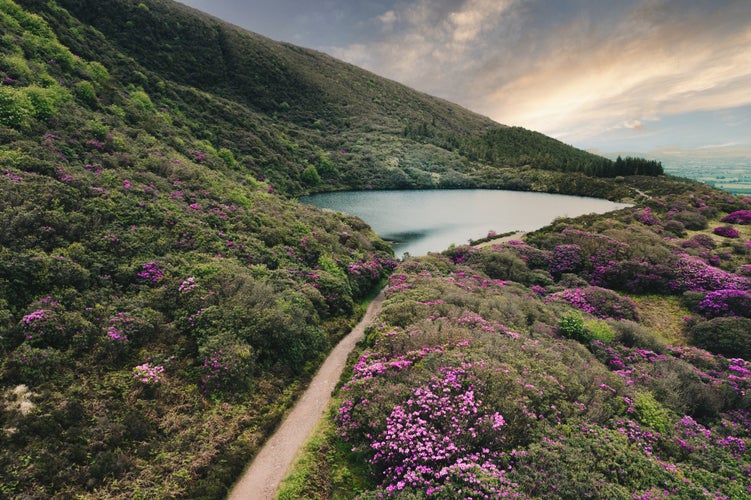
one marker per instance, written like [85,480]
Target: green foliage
[97,72]
[572,325]
[309,176]
[651,413]
[730,336]
[599,330]
[142,100]
[15,108]
[227,156]
[84,91]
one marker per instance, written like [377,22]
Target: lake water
[418,222]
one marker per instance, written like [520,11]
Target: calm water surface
[418,222]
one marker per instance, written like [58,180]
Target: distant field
[729,174]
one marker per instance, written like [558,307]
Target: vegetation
[549,384]
[163,301]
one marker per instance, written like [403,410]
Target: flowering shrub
[148,374]
[33,323]
[566,259]
[439,440]
[738,217]
[187,285]
[533,257]
[118,326]
[599,302]
[692,273]
[364,274]
[646,217]
[151,272]
[699,240]
[638,276]
[726,231]
[726,303]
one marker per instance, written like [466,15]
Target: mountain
[162,300]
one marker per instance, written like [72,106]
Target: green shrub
[84,91]
[729,336]
[501,264]
[632,334]
[691,220]
[227,156]
[651,413]
[16,67]
[572,325]
[310,176]
[142,100]
[97,72]
[598,329]
[15,108]
[34,365]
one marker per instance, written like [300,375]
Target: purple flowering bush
[726,303]
[726,231]
[599,302]
[738,217]
[567,258]
[451,401]
[693,274]
[441,440]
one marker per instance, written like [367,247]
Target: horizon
[633,76]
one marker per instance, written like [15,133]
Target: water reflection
[418,222]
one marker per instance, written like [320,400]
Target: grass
[663,316]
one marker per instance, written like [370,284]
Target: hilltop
[163,298]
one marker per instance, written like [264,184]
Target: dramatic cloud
[596,74]
[595,71]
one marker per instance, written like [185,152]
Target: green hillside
[303,120]
[163,299]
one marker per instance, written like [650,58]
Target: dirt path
[261,480]
[498,241]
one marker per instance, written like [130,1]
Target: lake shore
[503,239]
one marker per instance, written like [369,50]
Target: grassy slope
[285,108]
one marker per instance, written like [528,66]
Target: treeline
[518,147]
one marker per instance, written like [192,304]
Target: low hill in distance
[163,300]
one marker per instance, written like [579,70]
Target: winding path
[261,480]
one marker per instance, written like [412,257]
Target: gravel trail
[261,480]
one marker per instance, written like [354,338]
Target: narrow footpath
[262,478]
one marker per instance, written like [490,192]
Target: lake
[418,222]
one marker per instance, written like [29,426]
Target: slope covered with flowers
[159,307]
[536,370]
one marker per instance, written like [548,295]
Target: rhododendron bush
[457,400]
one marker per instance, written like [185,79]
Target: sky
[605,75]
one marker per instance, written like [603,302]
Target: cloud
[633,124]
[388,18]
[569,72]
[432,44]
